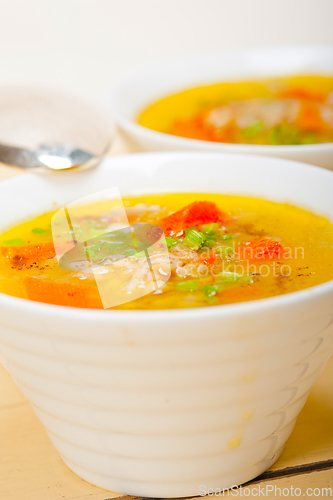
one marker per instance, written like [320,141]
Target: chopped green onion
[171,242]
[210,242]
[134,253]
[211,291]
[228,277]
[209,229]
[254,129]
[188,286]
[104,249]
[226,252]
[112,246]
[15,241]
[225,237]
[140,255]
[39,230]
[245,280]
[129,253]
[194,239]
[90,232]
[93,250]
[218,286]
[284,134]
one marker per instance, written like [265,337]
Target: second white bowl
[130,97]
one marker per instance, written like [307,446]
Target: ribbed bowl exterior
[150,411]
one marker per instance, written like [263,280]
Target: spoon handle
[18,157]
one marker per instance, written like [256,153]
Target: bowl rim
[183,142]
[254,306]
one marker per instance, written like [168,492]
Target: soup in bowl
[204,249]
[200,383]
[291,111]
[275,101]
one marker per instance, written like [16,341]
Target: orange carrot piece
[264,248]
[302,93]
[309,118]
[192,128]
[62,294]
[195,214]
[195,127]
[23,255]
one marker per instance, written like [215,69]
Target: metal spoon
[53,157]
[49,130]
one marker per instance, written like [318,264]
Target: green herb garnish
[284,134]
[228,278]
[39,230]
[210,242]
[194,239]
[188,286]
[210,229]
[225,237]
[130,253]
[15,241]
[254,129]
[171,242]
[245,280]
[211,291]
[140,255]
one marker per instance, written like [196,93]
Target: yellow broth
[196,281]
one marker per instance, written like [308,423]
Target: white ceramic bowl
[169,403]
[130,97]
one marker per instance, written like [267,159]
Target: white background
[88,45]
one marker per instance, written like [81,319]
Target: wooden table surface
[31,468]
